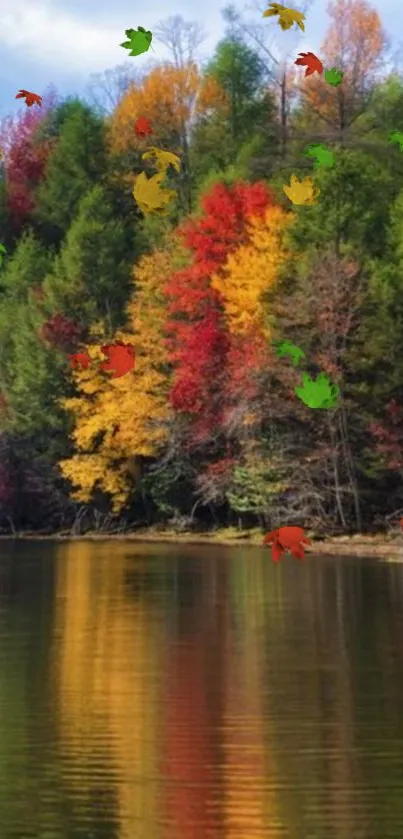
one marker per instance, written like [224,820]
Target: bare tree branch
[181,37]
[106,89]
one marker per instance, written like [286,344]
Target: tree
[220,136]
[355,43]
[106,89]
[274,61]
[182,38]
[198,339]
[250,271]
[78,161]
[90,279]
[171,98]
[25,158]
[352,209]
[121,421]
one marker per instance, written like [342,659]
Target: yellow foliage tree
[169,97]
[252,270]
[118,420]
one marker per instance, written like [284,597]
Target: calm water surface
[176,692]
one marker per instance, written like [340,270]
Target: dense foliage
[207,427]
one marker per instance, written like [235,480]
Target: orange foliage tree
[355,43]
[170,98]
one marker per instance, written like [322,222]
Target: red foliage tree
[198,342]
[25,161]
[389,436]
[62,332]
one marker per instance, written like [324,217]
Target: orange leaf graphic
[30,98]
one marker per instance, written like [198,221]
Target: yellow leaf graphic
[301,192]
[286,17]
[162,159]
[149,195]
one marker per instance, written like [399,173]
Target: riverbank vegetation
[206,432]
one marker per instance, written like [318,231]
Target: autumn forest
[206,429]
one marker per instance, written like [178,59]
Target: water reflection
[187,692]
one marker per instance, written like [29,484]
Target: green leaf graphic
[139,40]
[288,348]
[334,76]
[318,393]
[323,155]
[396,137]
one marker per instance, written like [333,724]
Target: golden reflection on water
[176,722]
[107,654]
[219,697]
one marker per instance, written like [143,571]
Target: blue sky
[62,42]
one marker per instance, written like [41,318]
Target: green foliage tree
[221,135]
[91,276]
[77,162]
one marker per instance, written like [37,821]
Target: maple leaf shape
[301,192]
[288,348]
[291,539]
[334,76]
[139,40]
[311,62]
[120,358]
[286,17]
[142,127]
[319,393]
[80,361]
[30,98]
[149,195]
[324,157]
[162,159]
[396,137]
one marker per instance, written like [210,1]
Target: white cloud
[53,37]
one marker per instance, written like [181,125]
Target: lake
[198,692]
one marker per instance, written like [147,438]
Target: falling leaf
[3,249]
[319,393]
[142,127]
[139,40]
[334,76]
[324,157]
[301,192]
[396,137]
[120,359]
[291,539]
[288,348]
[286,17]
[30,98]
[311,62]
[80,361]
[149,195]
[162,159]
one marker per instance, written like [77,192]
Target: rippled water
[176,692]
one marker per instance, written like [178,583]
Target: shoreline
[377,544]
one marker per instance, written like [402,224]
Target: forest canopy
[206,427]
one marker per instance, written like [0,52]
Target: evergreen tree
[78,161]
